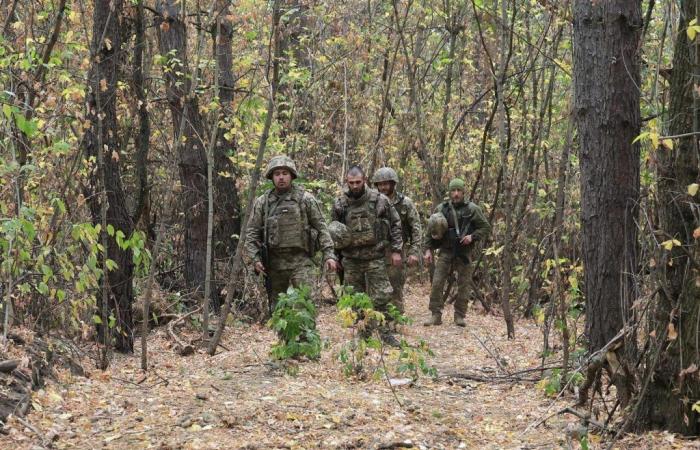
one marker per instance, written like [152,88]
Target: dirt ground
[240,399]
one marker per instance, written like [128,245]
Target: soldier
[374,225]
[453,229]
[288,221]
[385,180]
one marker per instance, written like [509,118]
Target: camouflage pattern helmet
[437,226]
[281,162]
[340,234]
[385,174]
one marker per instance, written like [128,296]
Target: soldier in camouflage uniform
[465,224]
[374,226]
[385,180]
[289,221]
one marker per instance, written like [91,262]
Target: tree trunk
[667,403]
[188,131]
[227,208]
[102,113]
[606,76]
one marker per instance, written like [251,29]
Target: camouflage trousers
[397,278]
[281,279]
[444,267]
[370,277]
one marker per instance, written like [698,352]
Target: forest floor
[240,399]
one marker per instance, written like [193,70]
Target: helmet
[385,174]
[281,162]
[340,234]
[437,226]
[456,183]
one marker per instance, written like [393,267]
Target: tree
[102,136]
[674,386]
[227,203]
[606,111]
[189,135]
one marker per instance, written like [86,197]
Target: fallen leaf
[672,333]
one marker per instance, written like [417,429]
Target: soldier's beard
[357,194]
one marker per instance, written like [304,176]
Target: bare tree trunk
[189,138]
[606,110]
[674,386]
[101,141]
[227,208]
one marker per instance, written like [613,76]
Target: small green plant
[294,320]
[554,383]
[412,360]
[356,311]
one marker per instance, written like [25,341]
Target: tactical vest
[464,217]
[364,222]
[287,222]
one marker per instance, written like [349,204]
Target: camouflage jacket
[289,246]
[412,232]
[374,223]
[470,220]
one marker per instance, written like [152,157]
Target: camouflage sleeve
[254,233]
[395,232]
[316,220]
[415,231]
[482,227]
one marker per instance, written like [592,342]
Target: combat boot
[435,319]
[459,321]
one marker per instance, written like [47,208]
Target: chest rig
[286,222]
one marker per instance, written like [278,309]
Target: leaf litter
[239,398]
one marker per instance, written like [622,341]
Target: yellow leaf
[693,189]
[654,140]
[103,85]
[672,333]
[668,143]
[676,242]
[668,245]
[691,33]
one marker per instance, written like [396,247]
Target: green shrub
[294,320]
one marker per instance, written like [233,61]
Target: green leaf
[110,229]
[96,319]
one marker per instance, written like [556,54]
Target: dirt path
[237,399]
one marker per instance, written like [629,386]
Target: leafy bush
[356,310]
[294,320]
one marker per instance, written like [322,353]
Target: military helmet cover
[457,183]
[385,174]
[340,234]
[437,225]
[281,162]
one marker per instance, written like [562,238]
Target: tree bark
[189,134]
[103,137]
[227,208]
[667,403]
[606,110]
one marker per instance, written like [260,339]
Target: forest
[135,140]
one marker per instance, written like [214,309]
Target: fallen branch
[9,365]
[183,348]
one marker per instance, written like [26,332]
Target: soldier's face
[356,183]
[457,195]
[282,179]
[386,187]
